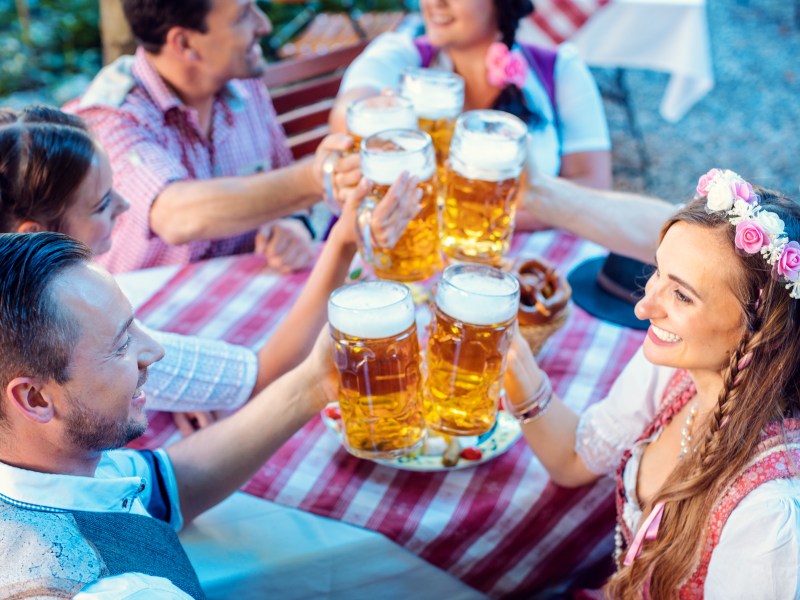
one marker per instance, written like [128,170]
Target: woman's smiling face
[696,320]
[95,207]
[459,23]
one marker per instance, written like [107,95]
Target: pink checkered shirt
[153,139]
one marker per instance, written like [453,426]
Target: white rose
[720,196]
[770,222]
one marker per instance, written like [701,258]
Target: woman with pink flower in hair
[552,91]
[702,429]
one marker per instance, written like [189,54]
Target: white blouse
[582,120]
[758,555]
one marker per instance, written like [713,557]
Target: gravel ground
[749,122]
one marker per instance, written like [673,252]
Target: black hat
[608,287]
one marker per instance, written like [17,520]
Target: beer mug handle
[328,165]
[364,218]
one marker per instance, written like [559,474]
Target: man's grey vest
[57,553]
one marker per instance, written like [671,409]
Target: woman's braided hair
[761,384]
[45,155]
[511,98]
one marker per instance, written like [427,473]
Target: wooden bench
[329,31]
[303,91]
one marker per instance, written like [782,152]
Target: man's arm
[214,462]
[191,210]
[625,223]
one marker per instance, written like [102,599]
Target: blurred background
[749,122]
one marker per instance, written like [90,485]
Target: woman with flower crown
[557,96]
[701,429]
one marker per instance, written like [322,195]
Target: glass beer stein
[376,352]
[438,98]
[378,113]
[384,156]
[470,334]
[486,159]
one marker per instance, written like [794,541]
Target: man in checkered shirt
[194,142]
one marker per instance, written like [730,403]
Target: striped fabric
[501,527]
[560,19]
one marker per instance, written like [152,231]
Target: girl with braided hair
[702,428]
[552,91]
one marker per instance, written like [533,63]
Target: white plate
[491,444]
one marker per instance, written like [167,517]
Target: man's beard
[95,433]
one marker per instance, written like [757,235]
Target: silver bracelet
[536,405]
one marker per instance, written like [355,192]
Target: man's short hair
[150,20]
[36,335]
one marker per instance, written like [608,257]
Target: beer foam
[371,309]
[434,103]
[488,157]
[368,121]
[478,299]
[384,167]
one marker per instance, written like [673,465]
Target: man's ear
[31,398]
[179,44]
[30,227]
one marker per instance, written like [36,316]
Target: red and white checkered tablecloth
[502,527]
[560,19]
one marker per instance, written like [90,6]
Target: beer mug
[384,156]
[378,113]
[486,159]
[438,98]
[470,334]
[376,352]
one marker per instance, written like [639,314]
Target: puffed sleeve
[381,63]
[608,428]
[758,555]
[581,116]
[199,374]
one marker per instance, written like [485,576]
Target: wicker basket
[536,335]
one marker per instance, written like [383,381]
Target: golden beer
[482,181]
[478,217]
[438,98]
[416,255]
[376,352]
[378,113]
[384,157]
[470,334]
[441,132]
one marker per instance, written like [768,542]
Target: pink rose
[750,237]
[515,69]
[788,264]
[743,191]
[504,67]
[706,180]
[496,58]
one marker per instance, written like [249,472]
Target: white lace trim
[600,444]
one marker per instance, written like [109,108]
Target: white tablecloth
[247,547]
[662,35]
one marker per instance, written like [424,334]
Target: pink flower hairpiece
[757,230]
[504,66]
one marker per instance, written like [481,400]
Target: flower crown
[757,229]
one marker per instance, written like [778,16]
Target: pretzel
[543,292]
